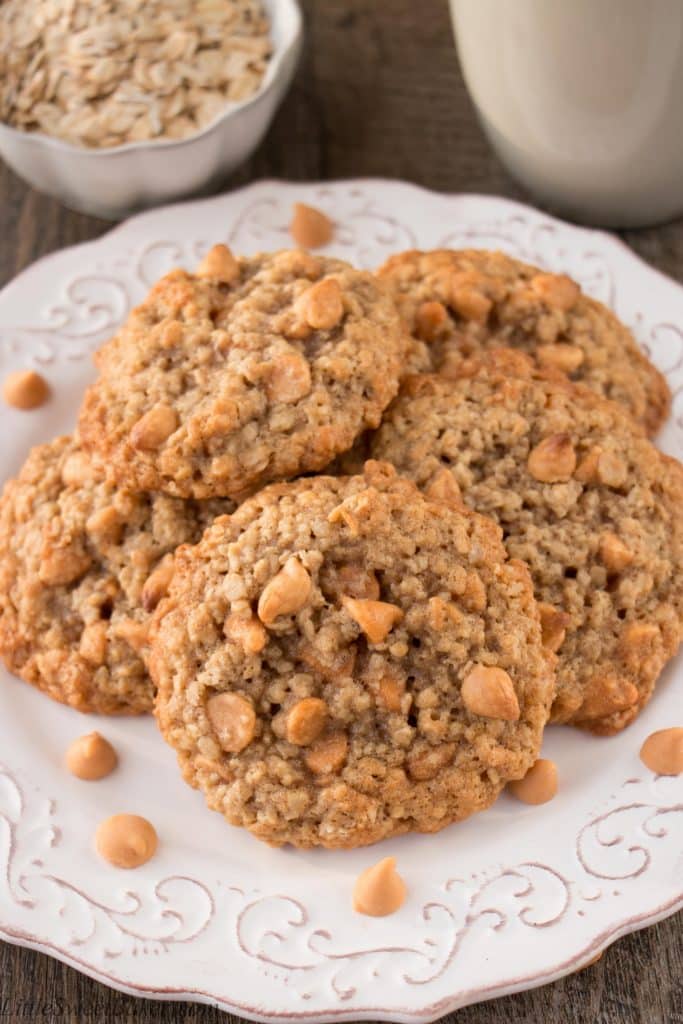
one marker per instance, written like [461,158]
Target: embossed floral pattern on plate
[507,900]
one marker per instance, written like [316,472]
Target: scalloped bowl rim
[268,83]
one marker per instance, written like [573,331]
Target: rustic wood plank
[378,92]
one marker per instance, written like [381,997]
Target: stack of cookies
[342,656]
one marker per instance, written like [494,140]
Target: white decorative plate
[511,899]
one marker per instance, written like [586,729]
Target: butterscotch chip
[581,496]
[91,757]
[306,720]
[662,751]
[220,265]
[321,306]
[310,228]
[135,634]
[553,626]
[553,460]
[287,592]
[566,358]
[379,890]
[493,300]
[430,318]
[468,296]
[444,487]
[233,719]
[614,553]
[126,840]
[611,469]
[327,755]
[25,389]
[157,584]
[82,563]
[246,631]
[375,618]
[154,427]
[356,723]
[247,371]
[105,525]
[391,691]
[490,692]
[539,785]
[288,379]
[557,291]
[93,643]
[61,565]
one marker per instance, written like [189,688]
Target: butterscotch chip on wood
[246,371]
[582,497]
[493,300]
[356,728]
[310,228]
[82,564]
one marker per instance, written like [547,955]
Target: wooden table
[378,92]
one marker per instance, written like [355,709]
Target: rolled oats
[108,72]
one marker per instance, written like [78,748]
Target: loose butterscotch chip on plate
[91,757]
[310,228]
[25,389]
[126,840]
[582,497]
[400,678]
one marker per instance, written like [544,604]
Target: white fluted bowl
[117,181]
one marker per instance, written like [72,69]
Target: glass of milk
[582,100]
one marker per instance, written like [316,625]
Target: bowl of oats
[113,106]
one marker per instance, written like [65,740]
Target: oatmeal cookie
[459,302]
[583,498]
[343,660]
[247,371]
[82,565]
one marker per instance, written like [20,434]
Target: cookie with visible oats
[82,565]
[583,498]
[247,371]
[459,302]
[343,660]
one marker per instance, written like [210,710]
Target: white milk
[582,100]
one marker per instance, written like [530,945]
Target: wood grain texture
[378,92]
